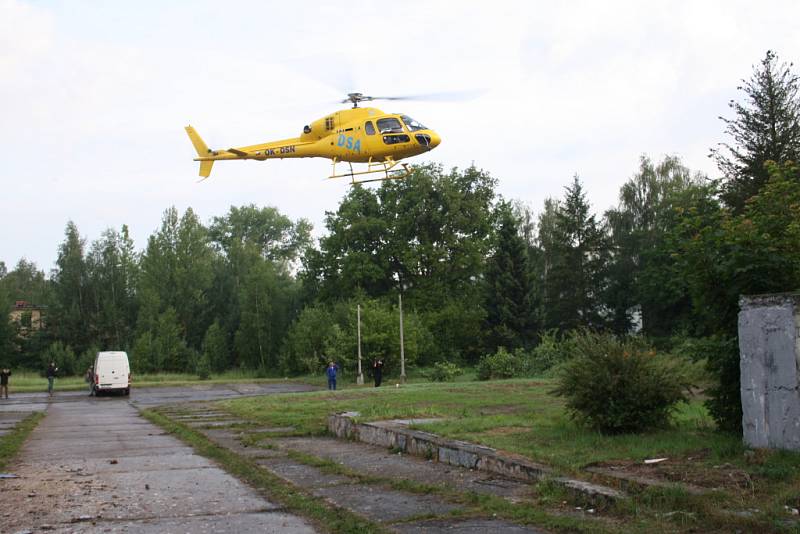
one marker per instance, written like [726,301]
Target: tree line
[251,288]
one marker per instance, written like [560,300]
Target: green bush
[502,364]
[550,352]
[203,366]
[725,404]
[619,386]
[444,372]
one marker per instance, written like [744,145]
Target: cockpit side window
[390,125]
[369,128]
[412,125]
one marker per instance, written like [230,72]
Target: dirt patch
[691,470]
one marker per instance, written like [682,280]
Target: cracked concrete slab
[302,475]
[376,461]
[384,505]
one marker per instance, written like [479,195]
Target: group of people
[333,369]
[50,373]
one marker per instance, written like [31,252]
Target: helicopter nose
[435,139]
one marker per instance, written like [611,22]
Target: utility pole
[402,348]
[360,377]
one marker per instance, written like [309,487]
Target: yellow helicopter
[356,135]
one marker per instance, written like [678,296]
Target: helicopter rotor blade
[446,96]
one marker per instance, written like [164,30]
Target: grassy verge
[325,517]
[514,415]
[756,490]
[11,442]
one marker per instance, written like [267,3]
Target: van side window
[370,129]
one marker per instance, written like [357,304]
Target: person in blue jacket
[331,372]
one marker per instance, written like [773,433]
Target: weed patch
[11,442]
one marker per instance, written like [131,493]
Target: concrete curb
[396,435]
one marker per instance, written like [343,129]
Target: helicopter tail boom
[202,151]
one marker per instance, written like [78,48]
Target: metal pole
[360,377]
[402,348]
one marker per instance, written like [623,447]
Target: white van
[112,372]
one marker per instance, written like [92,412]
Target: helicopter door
[391,130]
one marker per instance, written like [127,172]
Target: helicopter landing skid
[387,168]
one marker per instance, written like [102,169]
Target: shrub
[444,372]
[549,352]
[617,386]
[501,364]
[203,366]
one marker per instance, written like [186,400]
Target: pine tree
[72,297]
[576,250]
[765,127]
[510,301]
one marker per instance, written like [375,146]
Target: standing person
[331,372]
[377,372]
[4,374]
[90,379]
[51,376]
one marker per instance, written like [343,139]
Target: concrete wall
[769,347]
[459,453]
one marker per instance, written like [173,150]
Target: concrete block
[769,348]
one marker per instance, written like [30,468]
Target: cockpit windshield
[412,124]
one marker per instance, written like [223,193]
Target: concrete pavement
[95,465]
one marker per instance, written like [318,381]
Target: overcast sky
[94,97]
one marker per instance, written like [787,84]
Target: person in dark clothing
[90,379]
[51,376]
[4,374]
[331,372]
[377,372]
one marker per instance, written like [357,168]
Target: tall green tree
[69,318]
[177,272]
[247,238]
[641,272]
[266,301]
[576,252]
[439,232]
[354,255]
[112,268]
[272,233]
[764,127]
[723,256]
[427,236]
[7,333]
[510,292]
[215,348]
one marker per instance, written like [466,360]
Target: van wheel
[127,391]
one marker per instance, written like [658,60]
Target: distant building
[28,317]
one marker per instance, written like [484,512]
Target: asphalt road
[95,465]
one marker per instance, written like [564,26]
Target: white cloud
[95,95]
